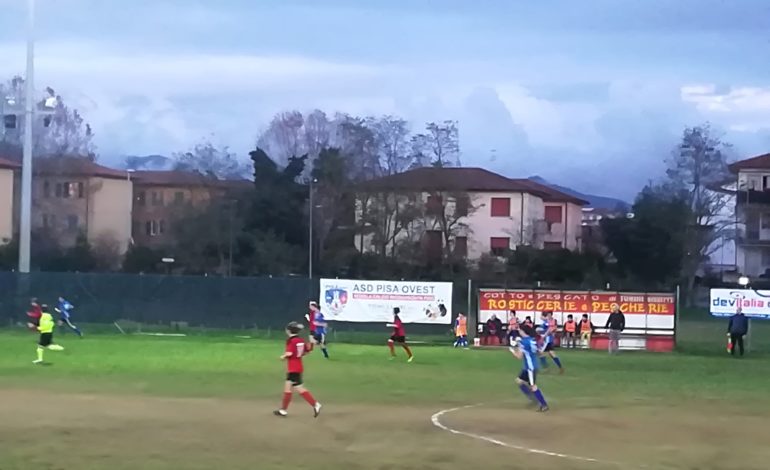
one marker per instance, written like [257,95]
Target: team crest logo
[435,311]
[336,299]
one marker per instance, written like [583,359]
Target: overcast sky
[591,94]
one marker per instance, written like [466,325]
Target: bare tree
[210,160]
[392,143]
[696,167]
[439,145]
[387,218]
[64,133]
[447,212]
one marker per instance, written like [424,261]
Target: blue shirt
[65,308]
[529,353]
[547,338]
[320,323]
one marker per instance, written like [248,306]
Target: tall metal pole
[231,204]
[25,226]
[310,233]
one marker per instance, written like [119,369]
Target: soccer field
[131,402]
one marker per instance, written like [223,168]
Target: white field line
[177,335]
[435,419]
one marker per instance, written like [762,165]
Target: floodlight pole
[25,219]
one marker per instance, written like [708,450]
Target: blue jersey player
[525,348]
[549,327]
[64,309]
[319,335]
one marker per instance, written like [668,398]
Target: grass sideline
[195,402]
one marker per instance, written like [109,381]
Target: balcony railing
[753,197]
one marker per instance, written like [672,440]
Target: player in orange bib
[461,331]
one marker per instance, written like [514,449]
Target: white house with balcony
[467,212]
[751,209]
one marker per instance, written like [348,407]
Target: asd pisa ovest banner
[373,301]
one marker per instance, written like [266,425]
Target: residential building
[467,212]
[160,197]
[751,191]
[9,173]
[75,196]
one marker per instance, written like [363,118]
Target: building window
[46,189]
[461,247]
[765,220]
[72,222]
[141,198]
[553,214]
[499,246]
[179,197]
[49,221]
[435,204]
[157,198]
[766,183]
[153,228]
[81,190]
[552,245]
[462,204]
[433,244]
[501,207]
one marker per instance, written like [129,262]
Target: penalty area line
[436,420]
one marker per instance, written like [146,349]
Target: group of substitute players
[532,345]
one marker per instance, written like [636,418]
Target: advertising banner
[373,301]
[754,304]
[642,310]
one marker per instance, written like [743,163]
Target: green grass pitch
[130,402]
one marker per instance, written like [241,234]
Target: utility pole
[310,231]
[25,225]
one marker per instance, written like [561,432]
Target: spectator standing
[500,331]
[492,329]
[616,323]
[513,327]
[737,328]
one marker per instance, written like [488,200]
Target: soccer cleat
[316,409]
[561,371]
[37,361]
[411,358]
[281,413]
[542,409]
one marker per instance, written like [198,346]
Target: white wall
[6,206]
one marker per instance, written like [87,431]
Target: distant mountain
[147,162]
[598,202]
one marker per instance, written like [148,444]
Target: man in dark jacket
[737,329]
[616,323]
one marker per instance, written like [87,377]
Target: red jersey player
[312,308]
[399,335]
[34,314]
[296,347]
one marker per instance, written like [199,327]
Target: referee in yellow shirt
[45,327]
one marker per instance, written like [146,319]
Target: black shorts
[528,376]
[295,378]
[319,338]
[398,339]
[46,339]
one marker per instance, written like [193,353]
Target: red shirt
[398,329]
[311,319]
[35,311]
[296,347]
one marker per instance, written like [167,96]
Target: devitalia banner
[373,301]
[725,302]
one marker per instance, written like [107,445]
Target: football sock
[557,362]
[408,351]
[40,353]
[526,391]
[540,398]
[77,330]
[326,353]
[392,349]
[286,401]
[308,398]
